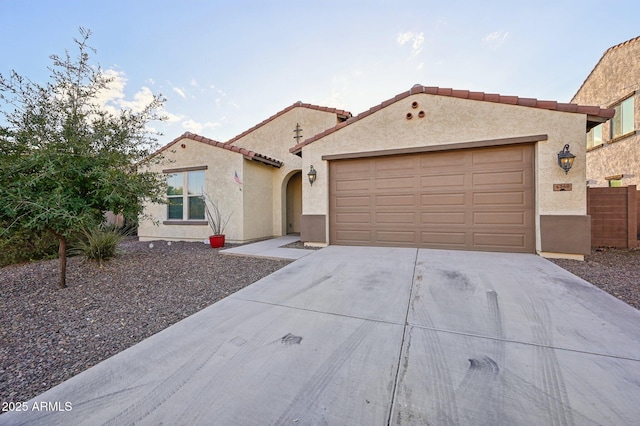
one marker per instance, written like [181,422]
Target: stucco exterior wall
[258,200]
[451,120]
[219,179]
[274,139]
[615,77]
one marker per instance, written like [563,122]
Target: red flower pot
[216,241]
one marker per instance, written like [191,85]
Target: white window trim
[185,196]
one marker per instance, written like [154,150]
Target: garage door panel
[394,182]
[494,240]
[498,178]
[442,218]
[443,199]
[463,199]
[402,200]
[354,236]
[354,201]
[499,218]
[433,238]
[499,198]
[396,237]
[446,160]
[394,164]
[353,185]
[354,168]
[498,158]
[363,218]
[442,181]
[396,217]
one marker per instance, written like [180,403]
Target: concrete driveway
[374,336]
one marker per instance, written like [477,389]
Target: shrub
[99,244]
[17,246]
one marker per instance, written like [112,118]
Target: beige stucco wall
[615,77]
[221,165]
[451,120]
[257,195]
[274,139]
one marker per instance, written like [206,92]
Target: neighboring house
[613,148]
[431,167]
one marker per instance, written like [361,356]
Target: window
[623,120]
[185,204]
[594,137]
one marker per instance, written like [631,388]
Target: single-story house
[430,167]
[613,148]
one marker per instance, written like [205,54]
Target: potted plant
[217,222]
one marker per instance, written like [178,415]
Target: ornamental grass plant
[100,243]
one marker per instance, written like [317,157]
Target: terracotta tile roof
[606,52]
[340,113]
[249,155]
[604,113]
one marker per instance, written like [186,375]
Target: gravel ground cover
[615,271]
[48,335]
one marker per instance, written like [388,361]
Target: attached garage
[469,199]
[451,169]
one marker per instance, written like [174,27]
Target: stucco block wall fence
[614,216]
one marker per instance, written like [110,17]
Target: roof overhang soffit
[593,121]
[264,160]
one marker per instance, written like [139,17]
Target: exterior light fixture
[312,175]
[565,159]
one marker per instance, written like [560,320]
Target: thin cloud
[416,40]
[495,39]
[197,127]
[180,92]
[171,118]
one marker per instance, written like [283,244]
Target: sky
[225,66]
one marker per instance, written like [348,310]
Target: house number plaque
[562,187]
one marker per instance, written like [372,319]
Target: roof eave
[264,160]
[594,120]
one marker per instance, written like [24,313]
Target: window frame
[186,195]
[622,118]
[591,137]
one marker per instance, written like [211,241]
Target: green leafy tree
[65,159]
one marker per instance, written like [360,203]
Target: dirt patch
[48,335]
[615,271]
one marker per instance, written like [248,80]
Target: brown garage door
[471,199]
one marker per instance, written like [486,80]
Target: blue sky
[225,66]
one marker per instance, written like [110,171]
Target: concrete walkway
[375,336]
[271,249]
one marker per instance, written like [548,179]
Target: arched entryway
[293,204]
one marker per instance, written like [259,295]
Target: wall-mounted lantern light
[565,159]
[312,175]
